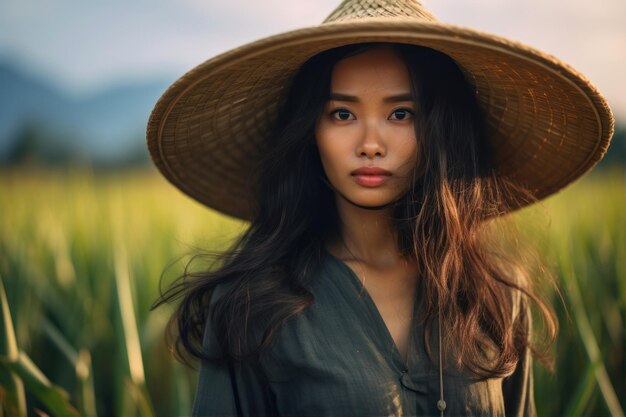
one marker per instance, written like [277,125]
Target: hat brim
[547,123]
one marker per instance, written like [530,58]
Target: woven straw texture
[548,124]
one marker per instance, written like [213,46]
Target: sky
[87,46]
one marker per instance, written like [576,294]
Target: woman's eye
[342,114]
[401,114]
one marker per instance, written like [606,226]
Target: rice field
[82,255]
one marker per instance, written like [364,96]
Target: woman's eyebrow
[355,99]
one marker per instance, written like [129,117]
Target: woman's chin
[370,203]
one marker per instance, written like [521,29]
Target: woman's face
[366,135]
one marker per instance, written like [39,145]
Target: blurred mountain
[101,128]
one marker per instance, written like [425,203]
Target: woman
[371,165]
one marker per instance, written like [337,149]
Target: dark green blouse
[337,358]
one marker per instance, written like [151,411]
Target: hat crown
[363,9]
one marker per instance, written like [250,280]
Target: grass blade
[131,334]
[583,393]
[13,398]
[52,396]
[591,346]
[81,362]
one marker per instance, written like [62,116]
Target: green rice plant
[583,393]
[591,346]
[582,234]
[83,247]
[54,398]
[12,398]
[134,381]
[17,372]
[81,362]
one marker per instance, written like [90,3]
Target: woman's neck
[366,235]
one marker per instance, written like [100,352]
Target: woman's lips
[371,176]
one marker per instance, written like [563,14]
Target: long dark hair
[466,279]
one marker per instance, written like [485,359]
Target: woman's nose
[372,143]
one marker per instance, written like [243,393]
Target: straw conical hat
[547,123]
